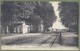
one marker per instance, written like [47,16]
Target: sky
[57,24]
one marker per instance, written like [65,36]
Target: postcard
[39,25]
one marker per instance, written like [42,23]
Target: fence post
[60,38]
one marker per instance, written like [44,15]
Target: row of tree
[35,12]
[31,12]
[69,13]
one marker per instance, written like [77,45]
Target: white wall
[25,28]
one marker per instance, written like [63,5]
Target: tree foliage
[46,12]
[69,13]
[7,12]
[31,12]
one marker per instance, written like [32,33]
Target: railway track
[51,40]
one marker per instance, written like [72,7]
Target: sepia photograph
[39,25]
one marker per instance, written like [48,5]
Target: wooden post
[60,38]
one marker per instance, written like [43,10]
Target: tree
[69,13]
[7,11]
[46,12]
[31,12]
[7,14]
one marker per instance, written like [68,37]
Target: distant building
[21,27]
